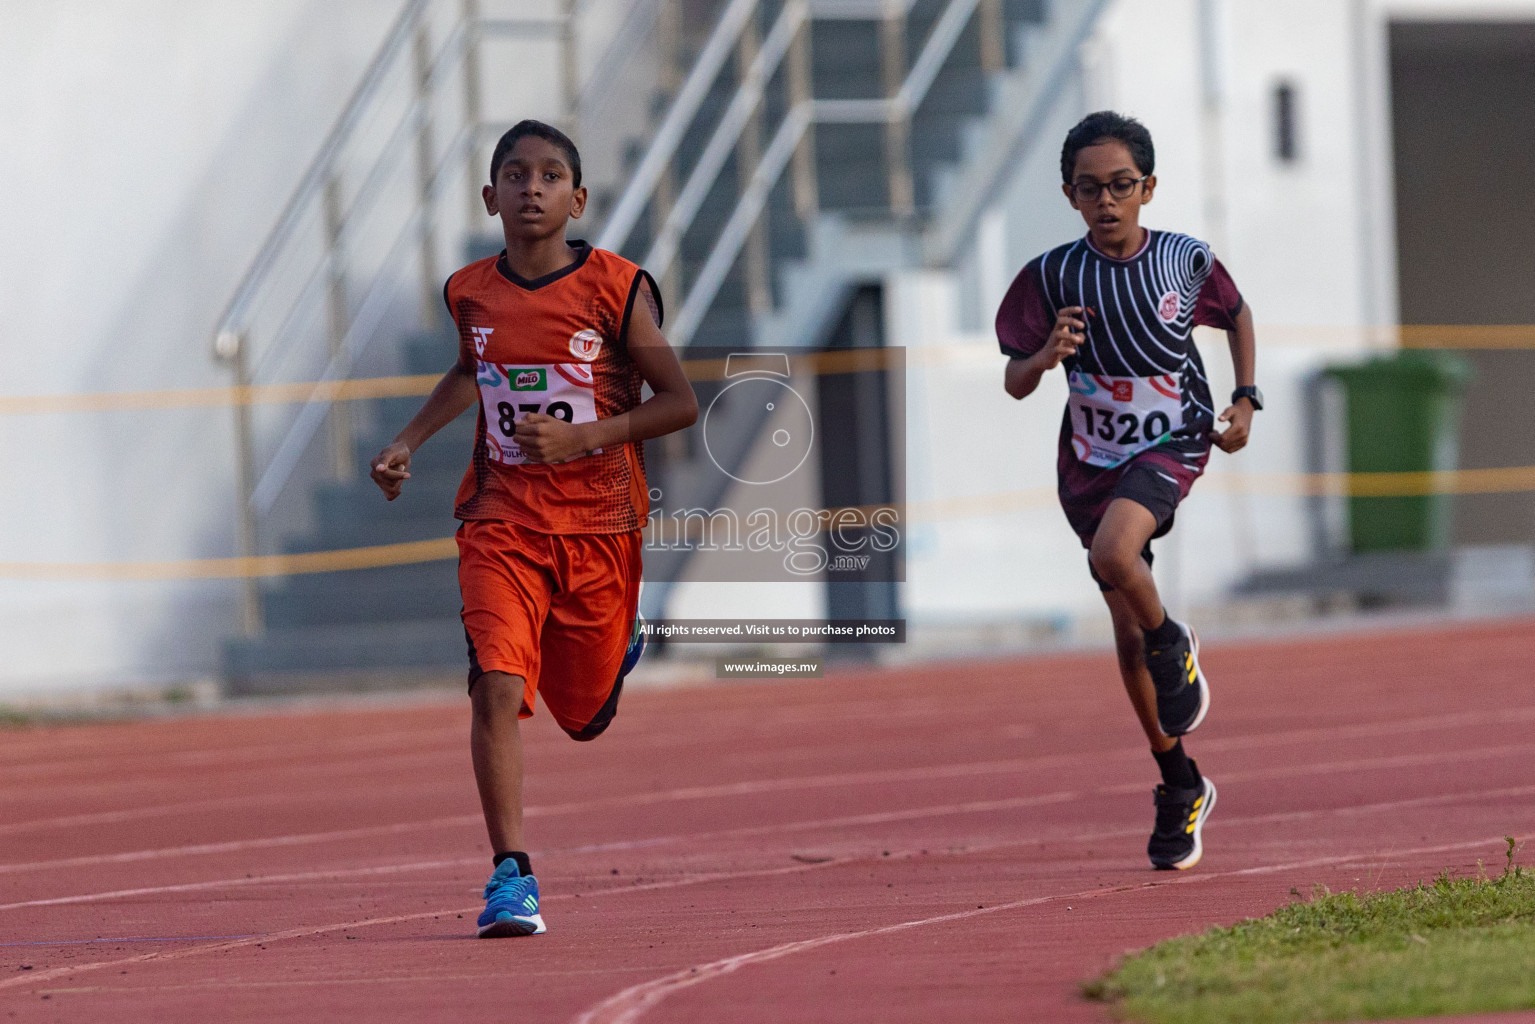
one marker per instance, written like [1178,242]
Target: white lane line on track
[231,757]
[664,796]
[882,817]
[306,931]
[33,977]
[309,930]
[95,818]
[630,1004]
[1507,716]
[947,809]
[1015,803]
[1368,730]
[1215,822]
[231,883]
[306,772]
[1218,824]
[245,844]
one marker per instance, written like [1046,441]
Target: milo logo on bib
[509,394]
[528,380]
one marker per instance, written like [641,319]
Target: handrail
[726,134]
[359,333]
[598,87]
[313,179]
[940,42]
[728,246]
[689,98]
[314,176]
[914,88]
[306,274]
[369,192]
[367,196]
[994,163]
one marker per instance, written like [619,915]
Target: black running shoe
[1183,696]
[1181,814]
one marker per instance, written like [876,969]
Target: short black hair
[539,130]
[1104,126]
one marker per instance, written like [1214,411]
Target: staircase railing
[1028,98]
[784,41]
[1023,108]
[895,112]
[355,251]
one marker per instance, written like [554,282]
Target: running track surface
[959,842]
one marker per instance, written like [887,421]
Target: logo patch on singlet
[1167,309]
[528,380]
[481,338]
[585,344]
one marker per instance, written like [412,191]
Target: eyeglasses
[1119,188]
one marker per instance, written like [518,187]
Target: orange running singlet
[556,345]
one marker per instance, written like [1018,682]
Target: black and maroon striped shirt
[1144,309]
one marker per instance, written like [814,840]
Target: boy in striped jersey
[1117,309]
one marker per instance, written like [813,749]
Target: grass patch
[1458,945]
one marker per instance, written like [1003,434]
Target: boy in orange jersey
[555,339]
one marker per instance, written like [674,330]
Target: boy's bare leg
[495,742]
[1130,645]
[1123,534]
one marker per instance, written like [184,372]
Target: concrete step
[395,593]
[340,534]
[434,356]
[373,656]
[452,445]
[362,503]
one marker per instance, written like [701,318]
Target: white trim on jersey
[1168,265]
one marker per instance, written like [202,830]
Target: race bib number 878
[1114,419]
[509,393]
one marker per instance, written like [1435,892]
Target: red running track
[960,841]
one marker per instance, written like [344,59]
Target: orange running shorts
[555,609]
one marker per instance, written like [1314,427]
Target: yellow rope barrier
[1502,480]
[1469,336]
[1444,336]
[817,363]
[1505,480]
[189,398]
[373,557]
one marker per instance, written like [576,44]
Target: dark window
[1286,129]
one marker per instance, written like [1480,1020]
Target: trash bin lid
[1407,368]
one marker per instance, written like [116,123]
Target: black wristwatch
[1251,393]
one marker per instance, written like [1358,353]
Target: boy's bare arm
[1023,374]
[453,394]
[1244,358]
[671,407]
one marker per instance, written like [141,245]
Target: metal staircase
[794,150]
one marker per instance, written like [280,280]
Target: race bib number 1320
[1114,419]
[509,393]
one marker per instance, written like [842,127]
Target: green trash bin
[1403,416]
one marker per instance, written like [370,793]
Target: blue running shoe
[635,649]
[511,904]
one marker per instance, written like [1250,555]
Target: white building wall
[1309,243]
[151,145]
